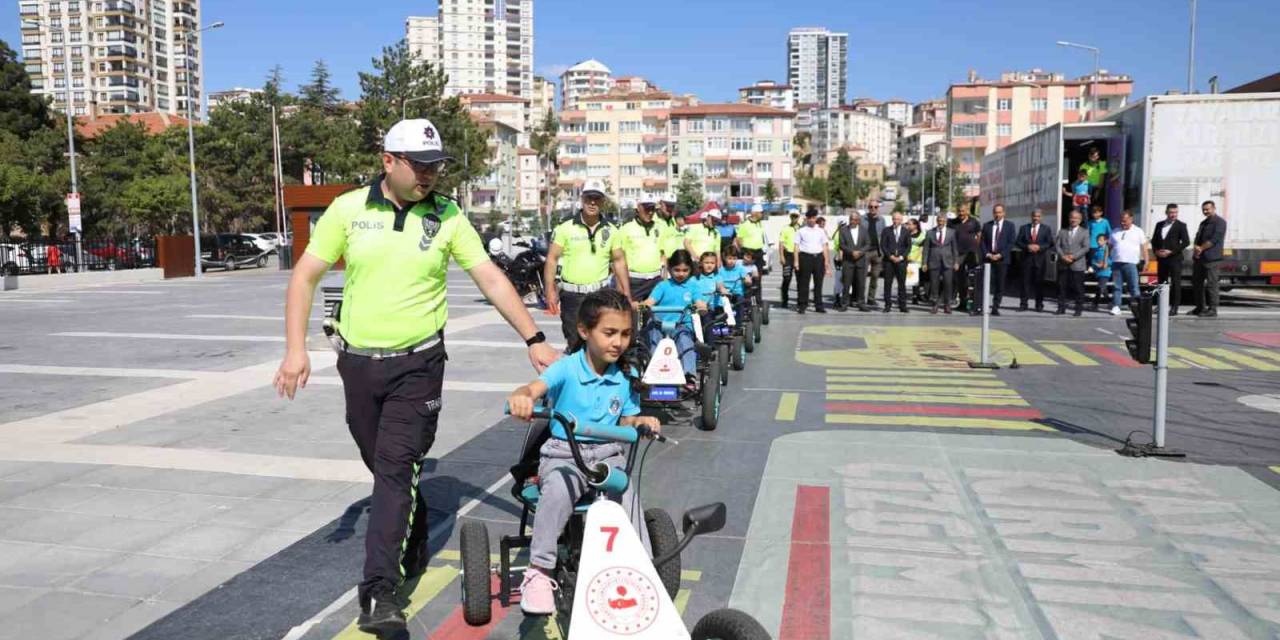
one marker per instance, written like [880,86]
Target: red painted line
[1112,355]
[455,628]
[932,410]
[806,608]
[1271,340]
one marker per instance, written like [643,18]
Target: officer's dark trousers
[392,408]
[787,258]
[1170,270]
[569,303]
[811,271]
[641,288]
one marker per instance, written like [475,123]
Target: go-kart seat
[525,472]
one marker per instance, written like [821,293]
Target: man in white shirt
[812,260]
[1130,253]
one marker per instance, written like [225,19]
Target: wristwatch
[537,337]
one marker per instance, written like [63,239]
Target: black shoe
[887,308]
[1173,312]
[841,308]
[933,309]
[904,310]
[1211,313]
[946,310]
[995,312]
[800,311]
[1197,311]
[1022,307]
[975,312]
[1078,313]
[1039,308]
[384,618]
[1060,312]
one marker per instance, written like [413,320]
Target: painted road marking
[456,628]
[432,583]
[5,299]
[1260,339]
[682,600]
[806,608]
[917,388]
[110,372]
[932,398]
[1112,355]
[166,336]
[1069,354]
[787,407]
[931,372]
[1201,360]
[1265,353]
[1240,358]
[910,379]
[926,410]
[930,421]
[905,347]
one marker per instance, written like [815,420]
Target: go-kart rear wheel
[711,395]
[764,311]
[728,624]
[722,354]
[663,538]
[748,335]
[738,353]
[757,319]
[477,606]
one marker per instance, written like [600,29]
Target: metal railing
[33,257]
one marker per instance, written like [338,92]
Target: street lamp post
[404,106]
[191,143]
[1093,90]
[1191,53]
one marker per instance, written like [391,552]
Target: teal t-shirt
[669,293]
[705,285]
[732,278]
[573,387]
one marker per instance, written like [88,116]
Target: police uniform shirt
[574,387]
[811,239]
[642,244]
[704,240]
[587,253]
[788,238]
[751,234]
[394,292]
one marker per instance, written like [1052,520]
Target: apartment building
[849,126]
[587,78]
[508,110]
[897,110]
[987,115]
[528,179]
[769,94]
[818,65]
[497,191]
[918,147]
[238,95]
[736,148]
[930,113]
[544,99]
[118,56]
[617,137]
[484,46]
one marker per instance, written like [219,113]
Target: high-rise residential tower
[818,66]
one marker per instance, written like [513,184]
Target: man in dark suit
[1072,249]
[853,242]
[997,238]
[1034,241]
[941,261]
[1169,241]
[968,230]
[1207,260]
[895,247]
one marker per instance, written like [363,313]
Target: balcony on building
[655,114]
[119,6]
[655,159]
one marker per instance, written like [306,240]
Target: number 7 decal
[613,533]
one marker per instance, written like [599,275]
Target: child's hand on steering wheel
[650,422]
[701,306]
[521,406]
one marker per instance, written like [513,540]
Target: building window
[598,171]
[675,127]
[969,129]
[629,126]
[1003,104]
[597,127]
[1039,104]
[1004,130]
[1035,127]
[630,192]
[594,149]
[1071,104]
[742,124]
[717,144]
[1104,104]
[764,146]
[719,124]
[695,148]
[694,126]
[629,148]
[593,106]
[675,148]
[631,170]
[742,144]
[764,169]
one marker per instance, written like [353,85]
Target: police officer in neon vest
[583,249]
[750,236]
[642,240]
[704,238]
[396,236]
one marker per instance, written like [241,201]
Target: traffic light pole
[984,347]
[1162,363]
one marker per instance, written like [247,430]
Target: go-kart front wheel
[722,354]
[663,538]
[749,331]
[728,624]
[477,607]
[711,394]
[757,319]
[738,353]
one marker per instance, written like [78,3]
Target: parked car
[266,241]
[230,251]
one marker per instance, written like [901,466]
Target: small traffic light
[1140,326]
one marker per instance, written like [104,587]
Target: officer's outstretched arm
[295,369]
[551,293]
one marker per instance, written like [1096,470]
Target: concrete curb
[91,278]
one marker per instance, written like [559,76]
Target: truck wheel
[722,355]
[711,395]
[738,353]
[663,539]
[728,624]
[477,607]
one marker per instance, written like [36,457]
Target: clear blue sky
[908,49]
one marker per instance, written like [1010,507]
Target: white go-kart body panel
[619,594]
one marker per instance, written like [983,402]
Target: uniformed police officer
[642,239]
[673,238]
[750,236]
[786,254]
[587,244]
[396,236]
[704,238]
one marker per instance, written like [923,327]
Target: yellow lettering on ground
[935,421]
[1240,358]
[1265,353]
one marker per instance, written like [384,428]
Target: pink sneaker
[537,593]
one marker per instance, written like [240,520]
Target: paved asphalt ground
[151,485]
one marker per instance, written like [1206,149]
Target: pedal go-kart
[731,332]
[609,587]
[664,375]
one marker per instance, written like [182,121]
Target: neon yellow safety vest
[394,294]
[703,240]
[751,234]
[672,238]
[586,253]
[788,238]
[642,246]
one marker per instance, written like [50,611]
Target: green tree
[234,161]
[814,188]
[841,176]
[543,140]
[319,93]
[899,206]
[923,189]
[688,193]
[20,187]
[398,84]
[770,193]
[21,112]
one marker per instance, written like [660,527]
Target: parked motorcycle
[524,270]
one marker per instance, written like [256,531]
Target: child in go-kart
[735,275]
[596,385]
[678,291]
[709,284]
